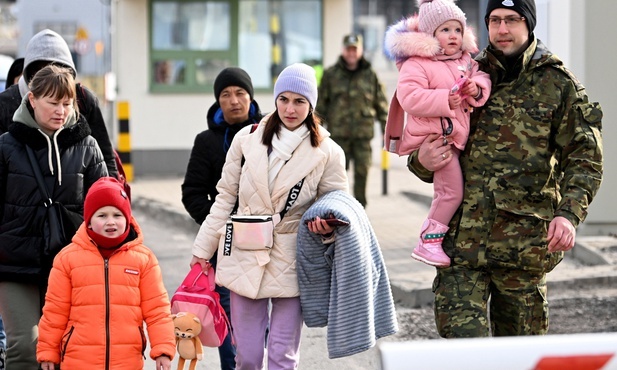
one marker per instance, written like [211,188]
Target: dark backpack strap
[253,128]
[47,201]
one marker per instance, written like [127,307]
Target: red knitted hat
[107,191]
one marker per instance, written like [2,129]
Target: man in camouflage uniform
[351,98]
[532,165]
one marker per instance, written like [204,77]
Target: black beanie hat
[526,8]
[232,76]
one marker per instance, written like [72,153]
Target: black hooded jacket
[22,213]
[207,159]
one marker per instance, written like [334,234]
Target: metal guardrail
[548,352]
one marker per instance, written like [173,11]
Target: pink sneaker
[429,248]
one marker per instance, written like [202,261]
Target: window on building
[192,41]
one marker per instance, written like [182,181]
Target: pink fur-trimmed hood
[404,39]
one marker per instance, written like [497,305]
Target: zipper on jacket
[67,336]
[107,314]
[251,218]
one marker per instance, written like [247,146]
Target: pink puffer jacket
[426,77]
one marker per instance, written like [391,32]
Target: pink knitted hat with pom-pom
[434,13]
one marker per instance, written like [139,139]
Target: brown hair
[54,81]
[274,123]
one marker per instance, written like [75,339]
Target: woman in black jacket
[70,161]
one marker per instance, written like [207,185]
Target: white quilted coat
[267,273]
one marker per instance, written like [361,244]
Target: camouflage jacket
[534,153]
[351,101]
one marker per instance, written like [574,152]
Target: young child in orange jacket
[102,288]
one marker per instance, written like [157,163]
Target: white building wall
[337,21]
[592,35]
[163,126]
[157,121]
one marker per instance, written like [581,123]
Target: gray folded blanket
[350,293]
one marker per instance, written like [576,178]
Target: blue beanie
[298,78]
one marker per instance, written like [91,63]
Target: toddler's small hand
[454,101]
[470,89]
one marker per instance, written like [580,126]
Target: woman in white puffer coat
[260,170]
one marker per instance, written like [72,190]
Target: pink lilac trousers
[251,318]
[447,190]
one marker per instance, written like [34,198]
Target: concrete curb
[412,298]
[595,250]
[165,213]
[587,277]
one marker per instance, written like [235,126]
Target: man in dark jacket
[234,109]
[351,99]
[47,47]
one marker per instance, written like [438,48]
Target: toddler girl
[438,85]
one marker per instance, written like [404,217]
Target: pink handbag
[196,295]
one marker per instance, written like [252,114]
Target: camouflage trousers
[481,302]
[358,151]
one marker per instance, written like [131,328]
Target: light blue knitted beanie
[298,78]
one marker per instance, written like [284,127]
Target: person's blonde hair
[54,81]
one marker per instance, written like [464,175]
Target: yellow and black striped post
[385,165]
[277,51]
[124,139]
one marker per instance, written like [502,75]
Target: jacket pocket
[591,117]
[530,205]
[65,342]
[144,342]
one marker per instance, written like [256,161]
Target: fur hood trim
[404,39]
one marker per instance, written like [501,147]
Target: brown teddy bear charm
[187,328]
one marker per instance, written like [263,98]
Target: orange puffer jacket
[95,309]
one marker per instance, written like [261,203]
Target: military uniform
[350,102]
[534,153]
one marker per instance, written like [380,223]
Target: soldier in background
[532,165]
[351,99]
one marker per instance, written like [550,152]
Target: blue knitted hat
[298,78]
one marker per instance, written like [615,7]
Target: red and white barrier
[548,352]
